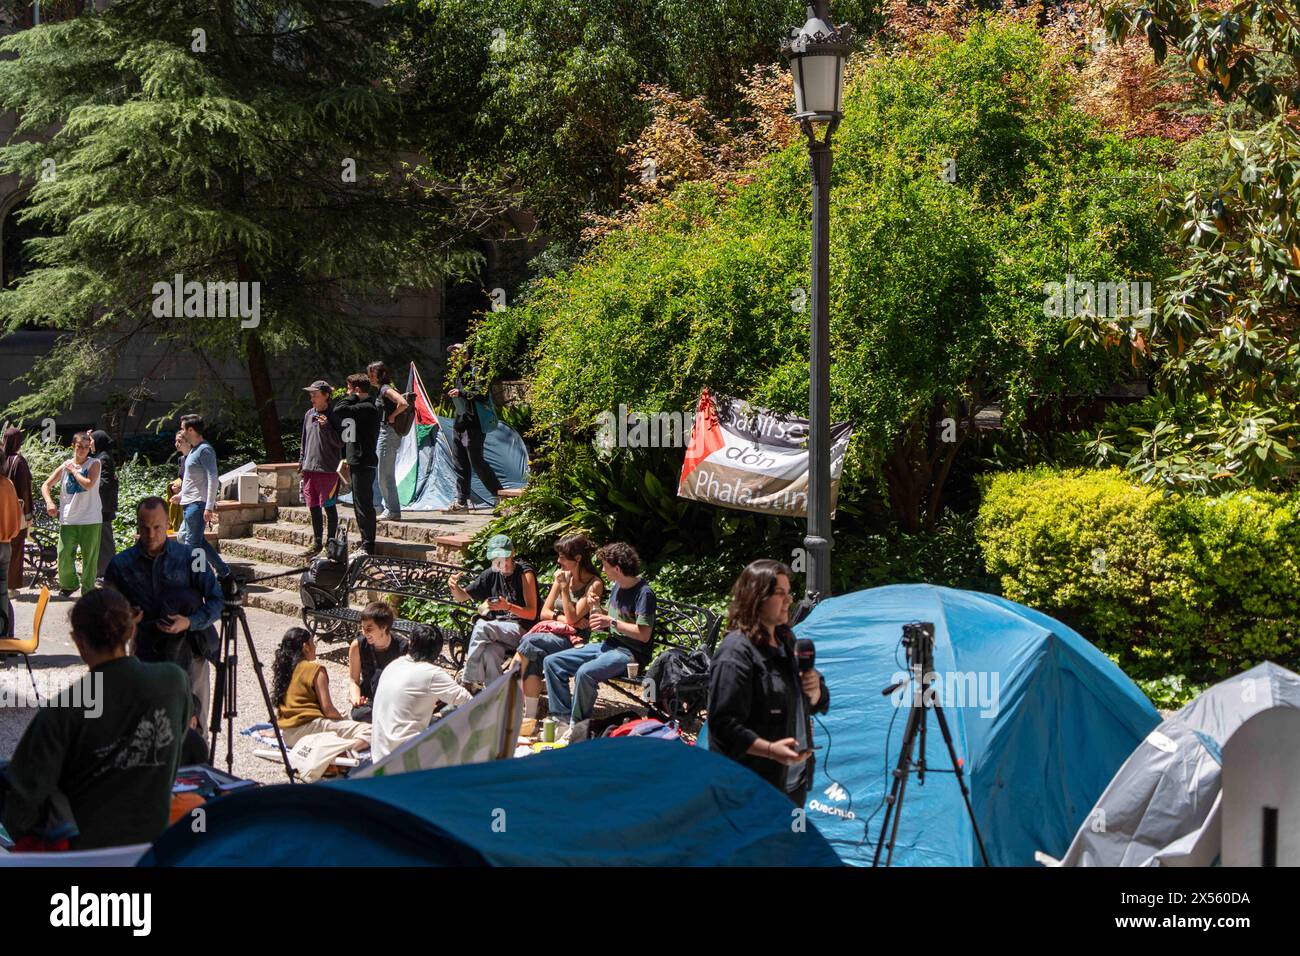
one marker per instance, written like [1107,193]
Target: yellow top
[11,514]
[300,701]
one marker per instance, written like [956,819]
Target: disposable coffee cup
[633,670]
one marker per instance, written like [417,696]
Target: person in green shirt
[111,756]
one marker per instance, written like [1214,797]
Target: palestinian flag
[753,459]
[408,452]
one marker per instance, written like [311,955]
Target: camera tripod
[225,696]
[918,639]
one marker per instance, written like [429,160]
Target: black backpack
[681,682]
[321,584]
[405,419]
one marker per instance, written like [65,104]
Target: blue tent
[600,803]
[1040,718]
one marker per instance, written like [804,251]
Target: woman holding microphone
[760,706]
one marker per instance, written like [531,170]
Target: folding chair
[27,647]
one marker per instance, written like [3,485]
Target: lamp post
[817,52]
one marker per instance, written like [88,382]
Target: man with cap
[318,463]
[508,592]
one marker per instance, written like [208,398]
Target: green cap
[500,546]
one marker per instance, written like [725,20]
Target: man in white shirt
[409,688]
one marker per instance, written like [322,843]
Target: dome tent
[1163,806]
[598,803]
[1040,718]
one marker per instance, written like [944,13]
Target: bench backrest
[406,577]
[685,626]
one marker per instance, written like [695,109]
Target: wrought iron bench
[677,625]
[404,577]
[41,550]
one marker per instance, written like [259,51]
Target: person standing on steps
[390,403]
[200,486]
[100,445]
[357,418]
[318,464]
[80,514]
[467,429]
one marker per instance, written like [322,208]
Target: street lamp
[817,52]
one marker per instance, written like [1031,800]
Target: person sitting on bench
[509,590]
[629,640]
[576,591]
[369,654]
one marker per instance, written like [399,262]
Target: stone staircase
[275,547]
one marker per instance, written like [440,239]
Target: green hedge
[1192,586]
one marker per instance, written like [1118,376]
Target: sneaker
[387,515]
[563,731]
[67,592]
[457,506]
[312,550]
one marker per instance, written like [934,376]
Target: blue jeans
[537,647]
[590,664]
[389,441]
[191,533]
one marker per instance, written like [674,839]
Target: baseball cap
[320,385]
[499,546]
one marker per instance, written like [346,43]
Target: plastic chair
[27,646]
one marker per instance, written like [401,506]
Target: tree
[255,142]
[937,301]
[1225,333]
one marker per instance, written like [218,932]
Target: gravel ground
[57,662]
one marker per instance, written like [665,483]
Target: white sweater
[404,700]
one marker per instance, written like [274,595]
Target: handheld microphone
[805,653]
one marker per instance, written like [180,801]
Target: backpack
[406,418]
[647,727]
[680,682]
[321,584]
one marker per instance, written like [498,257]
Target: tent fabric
[599,803]
[1162,807]
[1039,717]
[426,478]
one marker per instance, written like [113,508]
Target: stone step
[425,530]
[274,550]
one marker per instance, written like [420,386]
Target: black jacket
[107,473]
[359,453]
[752,694]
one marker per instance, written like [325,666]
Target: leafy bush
[936,287]
[1192,586]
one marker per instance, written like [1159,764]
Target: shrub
[1190,586]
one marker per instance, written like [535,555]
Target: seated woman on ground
[301,687]
[369,654]
[563,624]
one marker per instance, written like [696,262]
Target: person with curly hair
[628,632]
[301,690]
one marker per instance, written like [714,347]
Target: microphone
[805,653]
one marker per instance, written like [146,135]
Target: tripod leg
[961,780]
[894,802]
[232,705]
[218,704]
[266,696]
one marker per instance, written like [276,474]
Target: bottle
[548,730]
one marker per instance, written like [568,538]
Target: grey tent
[1163,806]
